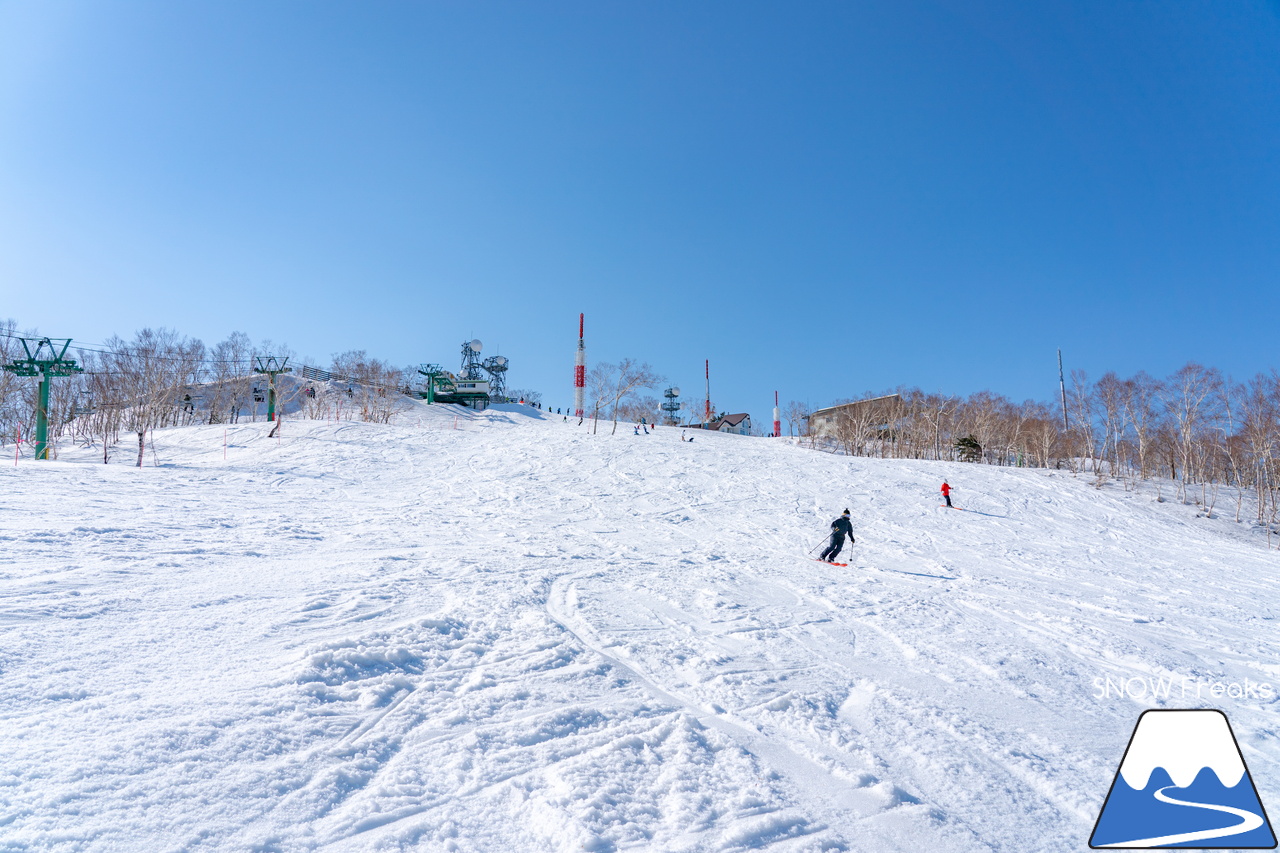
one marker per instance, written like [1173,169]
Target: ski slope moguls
[517,635]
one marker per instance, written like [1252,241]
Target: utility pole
[706,416]
[46,361]
[271,366]
[1062,386]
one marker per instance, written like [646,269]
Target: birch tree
[150,370]
[629,377]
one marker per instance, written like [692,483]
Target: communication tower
[496,365]
[671,406]
[472,367]
[580,371]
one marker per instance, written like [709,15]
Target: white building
[739,424]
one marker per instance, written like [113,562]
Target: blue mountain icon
[1183,783]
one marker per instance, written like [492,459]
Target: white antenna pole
[1062,386]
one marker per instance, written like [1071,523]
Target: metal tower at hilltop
[472,368]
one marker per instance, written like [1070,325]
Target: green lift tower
[273,367]
[47,361]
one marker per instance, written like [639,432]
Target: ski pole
[826,541]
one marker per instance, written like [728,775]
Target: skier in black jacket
[840,528]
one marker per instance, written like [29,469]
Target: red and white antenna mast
[777,422]
[580,371]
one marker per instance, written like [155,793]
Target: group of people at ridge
[841,527]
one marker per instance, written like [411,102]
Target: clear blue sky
[822,198]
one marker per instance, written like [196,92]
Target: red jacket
[946,490]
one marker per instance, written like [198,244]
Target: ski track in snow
[517,635]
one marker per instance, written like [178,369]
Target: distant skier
[840,528]
[946,492]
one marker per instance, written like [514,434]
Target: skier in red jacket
[946,492]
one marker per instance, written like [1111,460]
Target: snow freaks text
[1173,687]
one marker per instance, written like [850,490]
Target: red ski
[816,560]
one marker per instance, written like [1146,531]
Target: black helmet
[846,512]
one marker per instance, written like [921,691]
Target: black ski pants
[833,550]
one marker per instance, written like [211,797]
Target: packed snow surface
[518,635]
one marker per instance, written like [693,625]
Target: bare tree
[1141,400]
[149,371]
[525,394]
[631,377]
[12,418]
[854,427]
[1260,434]
[797,415]
[601,383]
[106,418]
[1083,435]
[375,385]
[230,386]
[1189,397]
[1111,393]
[637,408]
[942,410]
[1044,428]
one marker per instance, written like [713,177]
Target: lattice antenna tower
[472,367]
[671,406]
[497,366]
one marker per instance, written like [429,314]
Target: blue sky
[821,198]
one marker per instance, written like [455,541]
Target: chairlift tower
[439,381]
[272,366]
[671,406]
[46,361]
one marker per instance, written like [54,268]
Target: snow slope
[519,636]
